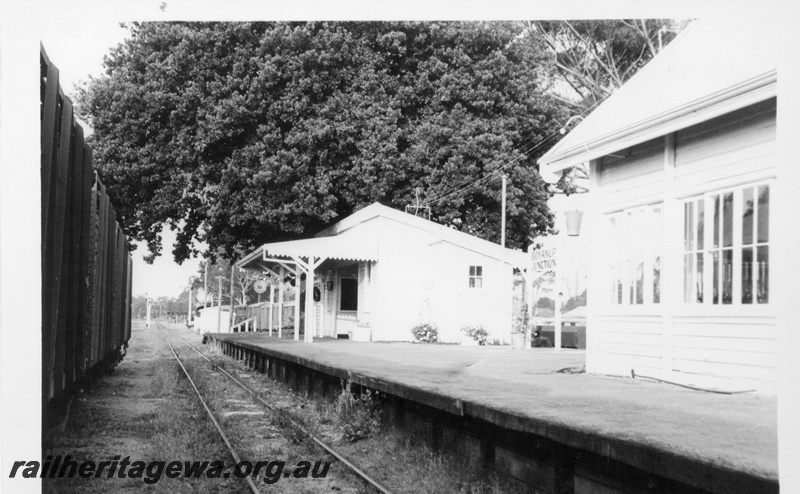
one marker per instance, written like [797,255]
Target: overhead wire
[497,171]
[493,174]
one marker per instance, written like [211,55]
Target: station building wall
[664,211]
[421,278]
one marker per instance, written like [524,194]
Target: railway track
[271,408]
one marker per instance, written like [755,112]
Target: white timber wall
[695,343]
[422,279]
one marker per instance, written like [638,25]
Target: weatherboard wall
[421,278]
[730,346]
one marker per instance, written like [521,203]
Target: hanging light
[574,219]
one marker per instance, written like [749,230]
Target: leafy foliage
[425,333]
[576,301]
[477,333]
[238,134]
[356,415]
[595,57]
[521,320]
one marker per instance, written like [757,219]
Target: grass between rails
[181,431]
[267,437]
[144,411]
[148,411]
[399,458]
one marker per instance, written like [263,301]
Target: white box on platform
[361,334]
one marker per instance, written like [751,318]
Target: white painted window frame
[736,306]
[476,276]
[633,245]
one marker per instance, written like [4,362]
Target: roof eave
[254,255]
[744,94]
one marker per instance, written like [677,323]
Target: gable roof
[344,241]
[444,233]
[713,67]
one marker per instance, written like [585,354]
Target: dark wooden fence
[86,265]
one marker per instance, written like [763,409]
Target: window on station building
[475,276]
[727,263]
[636,255]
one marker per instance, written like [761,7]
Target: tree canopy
[238,134]
[595,57]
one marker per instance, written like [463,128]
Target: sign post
[148,300]
[543,260]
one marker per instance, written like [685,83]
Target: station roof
[340,247]
[337,248]
[715,66]
[344,241]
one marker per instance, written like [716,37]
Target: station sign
[543,255]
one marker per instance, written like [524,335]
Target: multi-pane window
[727,263]
[636,256]
[475,276]
[755,245]
[693,258]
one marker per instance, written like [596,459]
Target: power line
[502,168]
[491,174]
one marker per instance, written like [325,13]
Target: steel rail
[222,434]
[352,466]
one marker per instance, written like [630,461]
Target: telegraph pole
[233,316]
[219,304]
[205,285]
[147,301]
[189,314]
[503,214]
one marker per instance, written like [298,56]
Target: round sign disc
[260,286]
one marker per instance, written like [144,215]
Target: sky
[78,53]
[77,39]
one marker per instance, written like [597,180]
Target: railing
[249,325]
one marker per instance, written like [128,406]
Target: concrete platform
[712,442]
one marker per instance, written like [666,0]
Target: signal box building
[684,213]
[380,271]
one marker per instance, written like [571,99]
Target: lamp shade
[574,219]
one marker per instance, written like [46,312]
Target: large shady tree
[238,134]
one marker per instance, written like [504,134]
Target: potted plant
[474,335]
[425,333]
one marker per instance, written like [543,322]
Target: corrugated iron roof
[340,247]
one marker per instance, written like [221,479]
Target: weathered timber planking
[85,262]
[72,257]
[59,219]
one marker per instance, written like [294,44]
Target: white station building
[380,271]
[684,214]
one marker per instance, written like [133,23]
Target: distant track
[329,449]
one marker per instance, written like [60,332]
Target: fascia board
[733,98]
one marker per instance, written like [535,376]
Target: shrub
[521,320]
[425,333]
[476,333]
[355,414]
